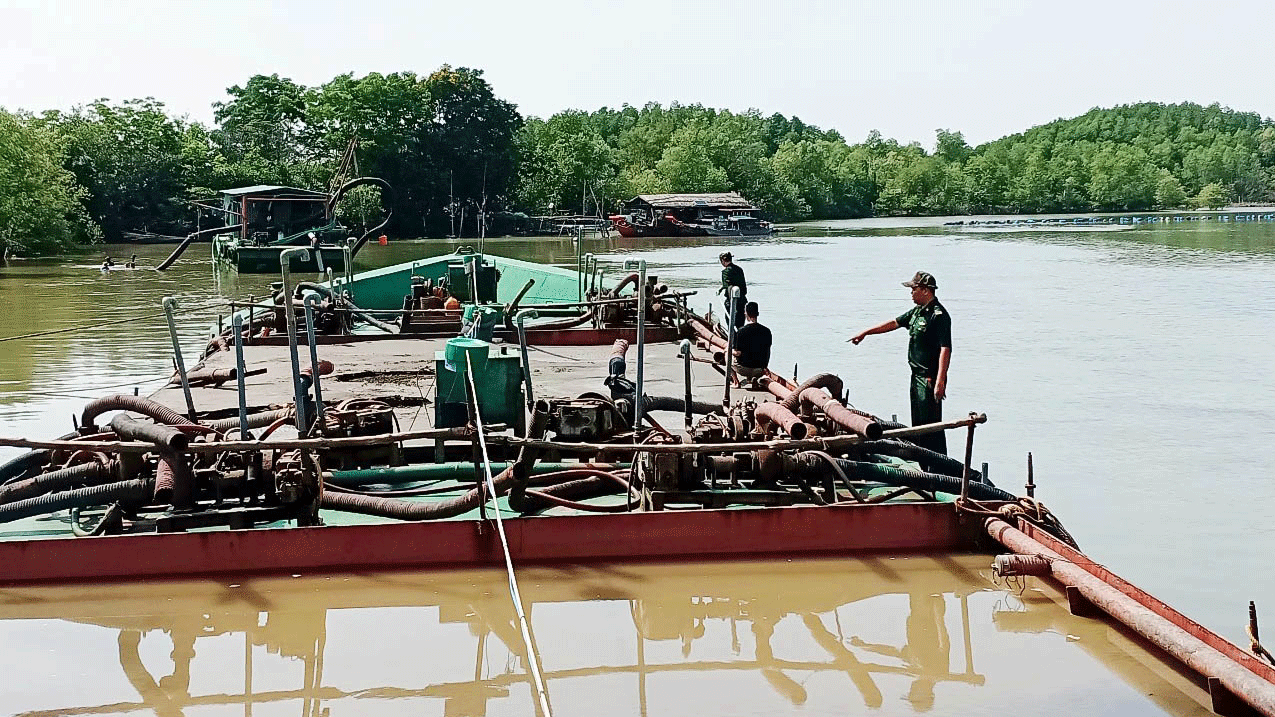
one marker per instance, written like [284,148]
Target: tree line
[452,149]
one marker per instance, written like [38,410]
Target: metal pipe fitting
[298,390]
[170,305]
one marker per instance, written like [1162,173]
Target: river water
[1131,362]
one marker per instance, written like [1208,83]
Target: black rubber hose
[387,200]
[135,404]
[181,248]
[19,466]
[407,509]
[913,478]
[22,465]
[521,469]
[129,491]
[591,487]
[165,437]
[255,420]
[937,462]
[53,481]
[674,403]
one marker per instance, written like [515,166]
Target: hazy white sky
[906,68]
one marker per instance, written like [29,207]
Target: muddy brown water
[1133,363]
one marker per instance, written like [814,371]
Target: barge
[472,411]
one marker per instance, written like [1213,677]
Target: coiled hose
[129,491]
[53,481]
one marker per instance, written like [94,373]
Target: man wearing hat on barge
[929,353]
[732,275]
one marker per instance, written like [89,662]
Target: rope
[89,327]
[533,660]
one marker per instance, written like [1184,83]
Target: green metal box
[499,386]
[460,280]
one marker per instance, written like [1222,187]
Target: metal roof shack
[719,200]
[274,192]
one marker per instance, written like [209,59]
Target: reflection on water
[811,637]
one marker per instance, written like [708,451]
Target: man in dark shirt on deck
[929,353]
[732,275]
[752,347]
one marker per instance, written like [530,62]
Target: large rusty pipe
[841,415]
[772,414]
[829,381]
[166,437]
[1188,649]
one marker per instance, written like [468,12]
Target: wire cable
[533,659]
[89,327]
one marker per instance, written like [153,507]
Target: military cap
[924,279]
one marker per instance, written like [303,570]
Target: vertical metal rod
[310,302]
[579,249]
[1031,477]
[638,398]
[520,318]
[586,273]
[349,265]
[290,315]
[170,305]
[969,456]
[252,310]
[685,351]
[732,295]
[240,368]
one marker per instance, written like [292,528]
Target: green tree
[41,210]
[1169,193]
[261,127]
[130,157]
[1211,196]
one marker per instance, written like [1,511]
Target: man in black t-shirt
[752,346]
[929,353]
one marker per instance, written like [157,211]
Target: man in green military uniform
[732,275]
[929,353]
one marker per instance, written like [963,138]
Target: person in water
[752,346]
[929,354]
[131,263]
[732,276]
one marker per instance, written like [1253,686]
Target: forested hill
[448,144]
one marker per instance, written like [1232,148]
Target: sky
[986,69]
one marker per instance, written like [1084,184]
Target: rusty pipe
[822,380]
[771,414]
[1186,648]
[841,415]
[630,279]
[616,364]
[165,437]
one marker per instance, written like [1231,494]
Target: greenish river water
[1132,362]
